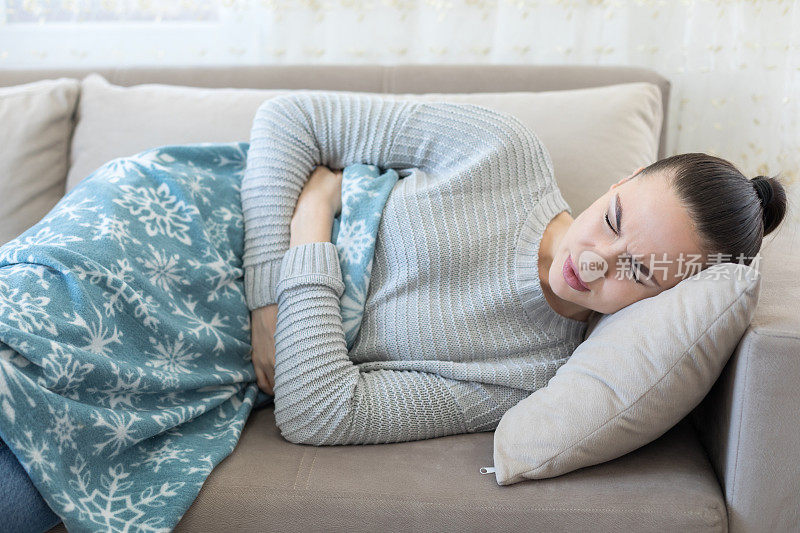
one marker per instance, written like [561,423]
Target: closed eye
[609,224]
[635,278]
[634,270]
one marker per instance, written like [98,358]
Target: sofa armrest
[749,423]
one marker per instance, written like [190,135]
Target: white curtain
[734,64]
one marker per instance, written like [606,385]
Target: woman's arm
[291,134]
[263,322]
[321,397]
[320,201]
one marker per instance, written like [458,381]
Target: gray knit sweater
[456,329]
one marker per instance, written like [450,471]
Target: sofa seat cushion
[268,483]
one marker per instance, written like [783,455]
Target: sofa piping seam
[360,497]
[741,417]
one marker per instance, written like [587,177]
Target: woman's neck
[551,237]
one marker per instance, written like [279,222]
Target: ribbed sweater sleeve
[322,398]
[292,134]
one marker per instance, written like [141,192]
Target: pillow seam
[43,89]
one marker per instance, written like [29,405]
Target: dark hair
[731,212]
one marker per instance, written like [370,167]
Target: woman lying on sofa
[481,289]
[483,283]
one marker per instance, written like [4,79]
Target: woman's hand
[320,200]
[324,186]
[263,322]
[319,203]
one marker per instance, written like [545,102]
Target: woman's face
[646,222]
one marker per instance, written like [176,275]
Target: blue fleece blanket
[125,374]
[364,193]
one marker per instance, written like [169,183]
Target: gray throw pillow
[638,373]
[37,126]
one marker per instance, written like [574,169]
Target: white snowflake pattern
[14,250]
[179,414]
[27,311]
[352,304]
[112,505]
[160,212]
[353,241]
[34,455]
[62,373]
[206,465]
[168,399]
[194,180]
[72,210]
[154,159]
[220,392]
[122,392]
[119,430]
[63,428]
[167,452]
[354,187]
[221,160]
[168,380]
[121,389]
[217,232]
[114,228]
[222,422]
[220,274]
[96,336]
[226,375]
[118,290]
[197,325]
[162,269]
[116,169]
[226,256]
[173,355]
[229,216]
[97,274]
[10,374]
[38,272]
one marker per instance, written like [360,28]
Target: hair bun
[772,195]
[764,190]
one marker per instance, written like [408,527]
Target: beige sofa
[731,465]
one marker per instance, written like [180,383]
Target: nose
[604,260]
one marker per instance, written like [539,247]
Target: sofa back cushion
[594,136]
[37,125]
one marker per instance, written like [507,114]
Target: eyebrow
[642,267]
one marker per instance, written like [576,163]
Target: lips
[571,276]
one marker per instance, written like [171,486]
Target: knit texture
[456,329]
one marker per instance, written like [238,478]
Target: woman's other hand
[319,203]
[320,200]
[323,185]
[263,322]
